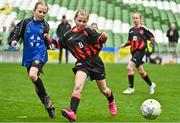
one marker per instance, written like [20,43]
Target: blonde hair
[140,15]
[81,12]
[40,2]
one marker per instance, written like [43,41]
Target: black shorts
[93,67]
[38,64]
[137,57]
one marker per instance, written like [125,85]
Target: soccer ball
[150,109]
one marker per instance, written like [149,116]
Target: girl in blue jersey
[33,31]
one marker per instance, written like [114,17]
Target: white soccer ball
[150,109]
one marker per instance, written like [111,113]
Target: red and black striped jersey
[82,44]
[138,37]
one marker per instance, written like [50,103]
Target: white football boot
[151,88]
[128,91]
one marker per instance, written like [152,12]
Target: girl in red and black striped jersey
[85,44]
[138,36]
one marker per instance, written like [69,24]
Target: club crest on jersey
[36,61]
[141,32]
[41,31]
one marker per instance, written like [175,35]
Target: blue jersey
[32,33]
[34,45]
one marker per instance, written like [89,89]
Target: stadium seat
[110,11]
[148,12]
[164,27]
[125,16]
[88,5]
[80,4]
[171,17]
[149,23]
[164,17]
[156,15]
[65,3]
[117,13]
[117,39]
[72,5]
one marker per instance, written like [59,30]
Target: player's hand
[46,36]
[13,43]
[52,47]
[151,43]
[103,37]
[122,45]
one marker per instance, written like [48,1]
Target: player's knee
[33,77]
[142,73]
[130,69]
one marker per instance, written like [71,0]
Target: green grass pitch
[19,102]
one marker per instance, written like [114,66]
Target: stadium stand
[112,16]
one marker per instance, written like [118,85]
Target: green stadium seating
[65,3]
[72,5]
[157,25]
[125,16]
[110,11]
[102,10]
[124,37]
[80,4]
[117,13]
[88,5]
[171,17]
[149,23]
[50,2]
[156,15]
[141,9]
[164,27]
[58,2]
[109,42]
[164,17]
[117,39]
[148,12]
[21,15]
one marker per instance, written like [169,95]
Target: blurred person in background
[63,27]
[137,40]
[173,37]
[94,26]
[34,31]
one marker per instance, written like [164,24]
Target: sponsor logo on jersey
[141,32]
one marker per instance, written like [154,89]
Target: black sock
[110,98]
[40,90]
[147,80]
[131,80]
[74,104]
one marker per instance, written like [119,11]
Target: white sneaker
[128,91]
[151,88]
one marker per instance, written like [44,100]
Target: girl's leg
[144,75]
[41,92]
[146,78]
[131,74]
[109,95]
[130,67]
[78,87]
[39,87]
[76,94]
